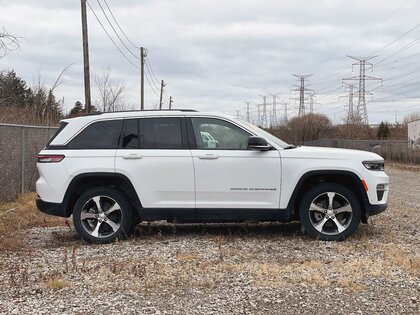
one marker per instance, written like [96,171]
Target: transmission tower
[264,121]
[362,62]
[351,117]
[301,88]
[273,120]
[285,112]
[247,111]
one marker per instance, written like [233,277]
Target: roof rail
[145,110]
[93,113]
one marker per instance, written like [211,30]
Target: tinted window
[131,136]
[99,135]
[218,134]
[160,133]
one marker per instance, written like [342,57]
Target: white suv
[113,170]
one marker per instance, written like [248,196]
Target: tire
[330,212]
[103,215]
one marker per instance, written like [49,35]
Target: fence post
[22,159]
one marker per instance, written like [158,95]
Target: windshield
[266,134]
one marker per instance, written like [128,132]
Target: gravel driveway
[224,269]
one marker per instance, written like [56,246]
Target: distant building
[414,133]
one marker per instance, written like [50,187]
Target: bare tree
[8,42]
[111,94]
[309,127]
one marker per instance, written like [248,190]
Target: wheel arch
[83,182]
[311,178]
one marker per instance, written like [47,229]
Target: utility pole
[162,85]
[170,102]
[301,88]
[86,57]
[361,110]
[143,54]
[247,111]
[237,113]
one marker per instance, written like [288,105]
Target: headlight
[374,165]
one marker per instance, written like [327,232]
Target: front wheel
[330,212]
[102,215]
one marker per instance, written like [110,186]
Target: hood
[330,154]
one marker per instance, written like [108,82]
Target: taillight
[50,158]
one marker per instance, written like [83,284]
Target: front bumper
[51,208]
[375,209]
[372,210]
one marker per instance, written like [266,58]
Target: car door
[228,175]
[154,155]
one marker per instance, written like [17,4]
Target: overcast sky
[214,55]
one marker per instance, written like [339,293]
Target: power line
[109,36]
[113,17]
[150,75]
[147,78]
[116,33]
[409,45]
[397,39]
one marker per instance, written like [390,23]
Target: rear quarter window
[99,135]
[60,129]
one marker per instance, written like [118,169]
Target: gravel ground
[223,269]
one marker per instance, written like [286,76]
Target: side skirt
[213,215]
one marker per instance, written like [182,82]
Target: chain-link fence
[392,150]
[19,145]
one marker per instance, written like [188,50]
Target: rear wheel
[330,212]
[103,215]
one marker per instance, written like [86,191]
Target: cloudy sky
[214,55]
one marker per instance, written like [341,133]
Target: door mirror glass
[258,143]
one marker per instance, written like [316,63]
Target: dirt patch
[220,268]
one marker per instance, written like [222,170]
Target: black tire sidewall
[315,191]
[126,214]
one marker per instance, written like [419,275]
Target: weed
[56,284]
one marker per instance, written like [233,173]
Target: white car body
[213,180]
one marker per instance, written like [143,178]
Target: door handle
[208,157]
[132,157]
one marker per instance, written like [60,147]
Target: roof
[142,113]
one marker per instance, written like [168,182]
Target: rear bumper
[51,208]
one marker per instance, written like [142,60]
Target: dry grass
[22,214]
[56,284]
[403,166]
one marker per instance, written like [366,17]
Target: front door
[228,175]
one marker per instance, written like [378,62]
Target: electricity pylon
[351,116]
[362,62]
[301,88]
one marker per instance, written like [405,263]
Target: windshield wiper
[290,146]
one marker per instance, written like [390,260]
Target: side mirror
[258,143]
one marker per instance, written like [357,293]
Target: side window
[211,133]
[160,133]
[99,135]
[131,134]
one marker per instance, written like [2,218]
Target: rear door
[154,155]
